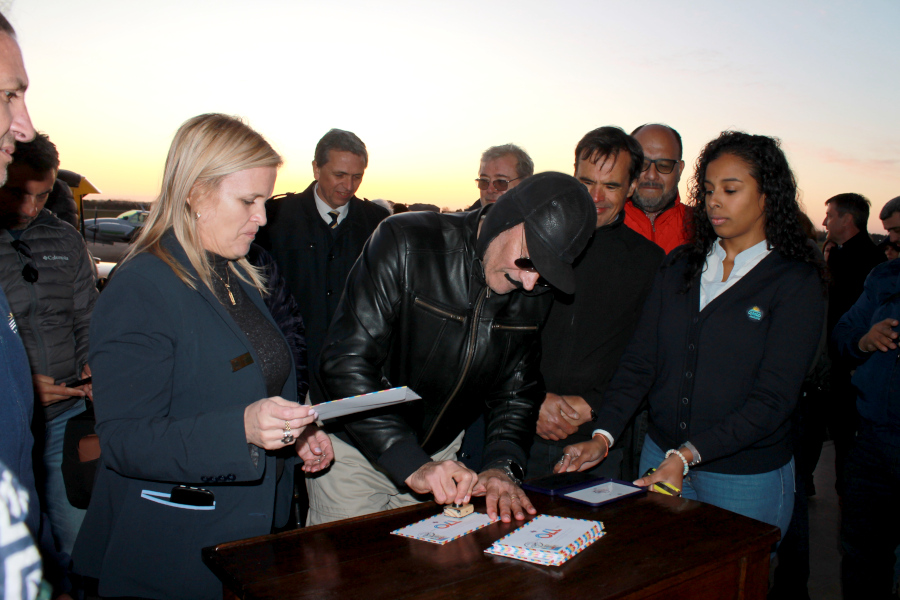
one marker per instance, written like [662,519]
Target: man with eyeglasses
[586,333]
[502,168]
[655,210]
[450,305]
[48,277]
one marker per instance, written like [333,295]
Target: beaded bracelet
[681,456]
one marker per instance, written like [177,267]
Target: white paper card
[355,404]
[604,492]
[441,529]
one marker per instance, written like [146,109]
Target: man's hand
[449,481]
[561,415]
[880,337]
[503,495]
[49,393]
[583,456]
[314,446]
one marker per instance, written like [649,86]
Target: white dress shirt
[324,209]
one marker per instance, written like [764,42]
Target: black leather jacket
[416,311]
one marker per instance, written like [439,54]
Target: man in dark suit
[849,263]
[317,235]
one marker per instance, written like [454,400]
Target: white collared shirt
[711,284]
[324,209]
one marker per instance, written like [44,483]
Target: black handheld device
[183,494]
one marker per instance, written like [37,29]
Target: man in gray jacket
[46,272]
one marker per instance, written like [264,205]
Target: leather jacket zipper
[440,311]
[479,304]
[515,327]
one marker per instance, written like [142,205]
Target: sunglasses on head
[501,185]
[29,271]
[664,166]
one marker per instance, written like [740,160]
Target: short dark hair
[855,204]
[6,27]
[524,164]
[672,129]
[341,141]
[610,141]
[39,154]
[892,206]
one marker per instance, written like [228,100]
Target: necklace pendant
[230,295]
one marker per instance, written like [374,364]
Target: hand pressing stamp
[458,511]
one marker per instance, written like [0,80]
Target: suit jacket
[314,259]
[170,400]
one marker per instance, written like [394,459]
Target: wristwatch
[512,470]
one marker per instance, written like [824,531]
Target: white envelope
[355,404]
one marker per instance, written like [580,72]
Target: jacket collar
[170,243]
[615,224]
[636,213]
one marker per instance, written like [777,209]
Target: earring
[197,217]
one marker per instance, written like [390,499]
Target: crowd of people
[587,322]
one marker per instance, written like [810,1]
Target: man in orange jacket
[655,210]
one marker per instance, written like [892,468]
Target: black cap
[559,218]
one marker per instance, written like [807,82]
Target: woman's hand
[270,421]
[583,455]
[314,447]
[670,471]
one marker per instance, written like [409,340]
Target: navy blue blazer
[169,399]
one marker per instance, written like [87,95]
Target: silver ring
[287,439]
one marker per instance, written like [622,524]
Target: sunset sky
[428,86]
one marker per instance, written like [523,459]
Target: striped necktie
[334,217]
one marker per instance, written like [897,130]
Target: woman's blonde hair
[205,150]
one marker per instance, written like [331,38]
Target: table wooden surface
[655,547]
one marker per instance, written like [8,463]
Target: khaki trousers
[352,486]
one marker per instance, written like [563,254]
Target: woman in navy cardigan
[725,340]
[194,385]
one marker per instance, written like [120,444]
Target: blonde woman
[194,385]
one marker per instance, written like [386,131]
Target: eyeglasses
[664,166]
[501,185]
[29,271]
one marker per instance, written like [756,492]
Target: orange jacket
[668,231]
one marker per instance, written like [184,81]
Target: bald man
[655,210]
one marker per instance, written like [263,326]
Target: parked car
[123,228]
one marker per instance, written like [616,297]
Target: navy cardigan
[725,378]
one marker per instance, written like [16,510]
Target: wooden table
[655,547]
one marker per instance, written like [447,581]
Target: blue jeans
[65,519]
[766,497]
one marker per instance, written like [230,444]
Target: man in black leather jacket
[450,305]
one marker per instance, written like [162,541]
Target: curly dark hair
[774,178]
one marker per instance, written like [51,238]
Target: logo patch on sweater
[755,313]
[54,257]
